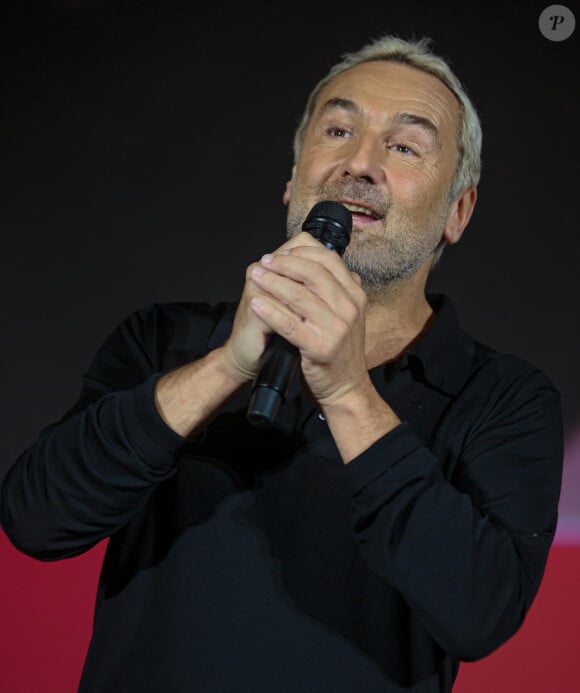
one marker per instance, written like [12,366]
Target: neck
[396,315]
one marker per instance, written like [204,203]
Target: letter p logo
[557,23]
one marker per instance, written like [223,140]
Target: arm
[88,474]
[468,553]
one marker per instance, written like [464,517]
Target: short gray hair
[417,54]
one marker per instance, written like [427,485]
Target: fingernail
[258,271]
[267,258]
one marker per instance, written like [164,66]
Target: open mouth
[361,213]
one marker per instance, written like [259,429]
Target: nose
[364,160]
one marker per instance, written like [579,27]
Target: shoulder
[457,363]
[507,369]
[167,320]
[511,397]
[157,338]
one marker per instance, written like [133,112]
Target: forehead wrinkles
[381,89]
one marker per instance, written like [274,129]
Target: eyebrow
[402,118]
[344,104]
[425,123]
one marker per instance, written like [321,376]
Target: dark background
[144,147]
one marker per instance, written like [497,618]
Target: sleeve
[88,474]
[467,554]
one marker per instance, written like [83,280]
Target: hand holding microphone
[331,224]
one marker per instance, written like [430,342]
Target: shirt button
[321,416]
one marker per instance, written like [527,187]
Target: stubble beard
[385,258]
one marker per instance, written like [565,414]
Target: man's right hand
[189,397]
[247,342]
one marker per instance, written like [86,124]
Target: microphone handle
[330,223]
[277,370]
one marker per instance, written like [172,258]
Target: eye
[338,132]
[403,149]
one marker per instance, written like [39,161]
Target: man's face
[382,140]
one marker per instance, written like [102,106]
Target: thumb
[356,277]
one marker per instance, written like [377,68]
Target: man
[396,519]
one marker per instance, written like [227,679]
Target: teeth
[360,210]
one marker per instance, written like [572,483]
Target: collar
[443,356]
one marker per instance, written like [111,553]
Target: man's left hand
[318,305]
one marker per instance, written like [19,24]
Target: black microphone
[330,223]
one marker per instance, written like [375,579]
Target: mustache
[365,194]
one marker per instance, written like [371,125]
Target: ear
[459,216]
[288,191]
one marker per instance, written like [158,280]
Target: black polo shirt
[255,560]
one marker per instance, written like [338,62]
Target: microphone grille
[331,224]
[333,211]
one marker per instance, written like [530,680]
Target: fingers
[305,245]
[252,325]
[315,268]
[301,239]
[298,240]
[289,307]
[308,296]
